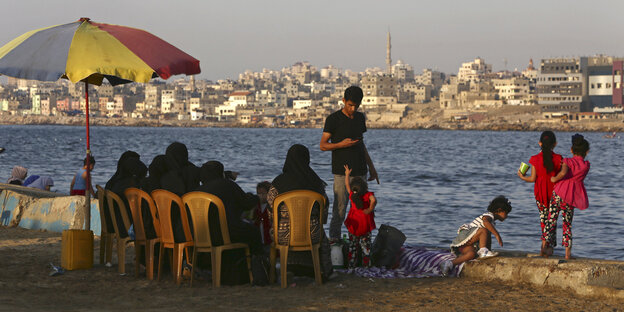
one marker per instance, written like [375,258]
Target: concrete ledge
[591,277]
[35,209]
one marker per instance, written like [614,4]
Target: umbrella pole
[88,186]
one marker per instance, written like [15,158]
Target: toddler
[361,219]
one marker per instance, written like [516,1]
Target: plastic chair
[135,198]
[199,204]
[164,200]
[106,239]
[115,202]
[299,204]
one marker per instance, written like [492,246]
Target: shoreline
[25,285]
[605,125]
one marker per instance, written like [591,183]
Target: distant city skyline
[229,37]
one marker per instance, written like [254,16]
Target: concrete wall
[35,209]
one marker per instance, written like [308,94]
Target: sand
[25,285]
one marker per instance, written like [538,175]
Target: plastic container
[523,168]
[337,257]
[77,249]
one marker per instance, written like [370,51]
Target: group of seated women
[175,173]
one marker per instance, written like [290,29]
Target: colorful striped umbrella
[89,52]
[93,51]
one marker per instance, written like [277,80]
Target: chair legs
[121,254]
[216,267]
[150,249]
[283,250]
[316,259]
[178,251]
[283,266]
[193,267]
[106,247]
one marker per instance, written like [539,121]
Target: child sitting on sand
[478,233]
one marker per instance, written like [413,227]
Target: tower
[388,57]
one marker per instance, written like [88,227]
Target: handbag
[386,246]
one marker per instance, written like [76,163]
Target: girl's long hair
[359,187]
[548,141]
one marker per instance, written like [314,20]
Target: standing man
[345,129]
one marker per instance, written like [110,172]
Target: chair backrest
[299,204]
[198,204]
[163,200]
[114,200]
[135,199]
[101,202]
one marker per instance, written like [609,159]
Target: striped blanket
[414,262]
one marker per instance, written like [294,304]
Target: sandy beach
[25,284]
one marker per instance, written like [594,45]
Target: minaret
[388,57]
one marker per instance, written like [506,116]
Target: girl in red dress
[361,218]
[544,165]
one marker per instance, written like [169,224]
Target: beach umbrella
[85,51]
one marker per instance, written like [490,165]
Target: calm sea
[431,181]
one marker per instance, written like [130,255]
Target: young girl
[544,165]
[361,219]
[569,192]
[478,233]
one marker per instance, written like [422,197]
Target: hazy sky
[229,37]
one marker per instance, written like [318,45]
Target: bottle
[345,239]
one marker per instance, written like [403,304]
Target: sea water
[432,181]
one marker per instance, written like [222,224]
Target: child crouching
[478,234]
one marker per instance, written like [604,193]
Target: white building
[300,104]
[473,71]
[514,91]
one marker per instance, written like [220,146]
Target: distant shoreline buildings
[584,86]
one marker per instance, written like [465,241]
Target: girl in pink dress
[569,192]
[360,220]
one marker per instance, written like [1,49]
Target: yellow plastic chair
[299,204]
[106,238]
[164,200]
[135,198]
[115,202]
[199,204]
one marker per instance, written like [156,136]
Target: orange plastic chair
[199,204]
[115,202]
[164,200]
[135,197]
[106,239]
[299,204]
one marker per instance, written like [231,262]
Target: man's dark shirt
[341,127]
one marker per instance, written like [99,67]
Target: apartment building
[561,85]
[379,90]
[514,91]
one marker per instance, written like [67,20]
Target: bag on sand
[386,246]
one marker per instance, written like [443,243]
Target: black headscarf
[177,155]
[128,165]
[211,170]
[156,169]
[182,175]
[297,174]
